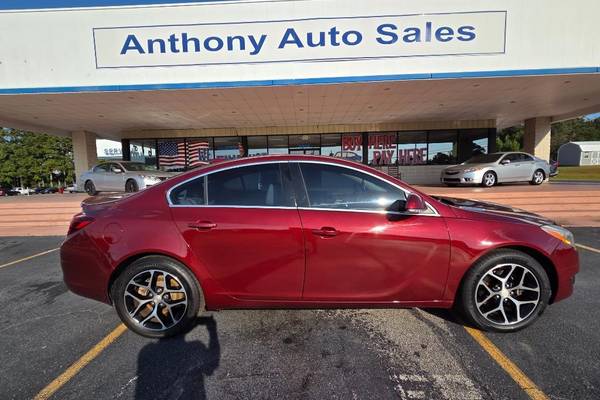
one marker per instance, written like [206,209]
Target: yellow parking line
[78,365]
[588,248]
[507,365]
[28,258]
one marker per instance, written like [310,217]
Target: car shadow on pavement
[176,368]
[447,315]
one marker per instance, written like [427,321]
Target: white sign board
[301,40]
[282,42]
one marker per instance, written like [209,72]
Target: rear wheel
[538,177]
[90,188]
[489,179]
[157,297]
[505,291]
[131,186]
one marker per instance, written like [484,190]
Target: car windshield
[139,167]
[484,158]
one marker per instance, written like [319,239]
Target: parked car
[309,231]
[119,176]
[553,168]
[24,191]
[72,188]
[7,191]
[490,169]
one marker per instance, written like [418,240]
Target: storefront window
[257,146]
[143,151]
[171,154]
[382,148]
[305,144]
[278,144]
[471,143]
[199,151]
[331,145]
[442,147]
[412,148]
[352,147]
[227,148]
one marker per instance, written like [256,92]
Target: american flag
[171,153]
[198,153]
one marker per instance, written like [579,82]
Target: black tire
[470,288]
[489,179]
[90,188]
[538,177]
[131,186]
[184,318]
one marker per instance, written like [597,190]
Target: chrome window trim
[406,191]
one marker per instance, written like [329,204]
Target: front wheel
[505,291]
[90,188]
[538,177]
[131,186]
[157,297]
[489,179]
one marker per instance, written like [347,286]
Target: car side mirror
[117,170]
[413,204]
[505,162]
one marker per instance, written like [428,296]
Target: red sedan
[320,232]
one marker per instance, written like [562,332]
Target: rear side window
[334,187]
[190,193]
[255,185]
[526,157]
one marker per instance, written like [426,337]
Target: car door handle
[202,225]
[325,231]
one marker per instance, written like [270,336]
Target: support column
[537,137]
[84,153]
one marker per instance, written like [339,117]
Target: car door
[243,227]
[115,178]
[357,252]
[526,167]
[100,176]
[508,168]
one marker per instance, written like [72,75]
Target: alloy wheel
[489,179]
[538,177]
[507,294]
[155,299]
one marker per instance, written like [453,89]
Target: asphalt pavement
[331,354]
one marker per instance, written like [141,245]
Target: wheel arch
[131,259]
[540,257]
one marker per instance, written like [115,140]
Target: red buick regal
[311,232]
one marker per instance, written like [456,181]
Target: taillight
[79,222]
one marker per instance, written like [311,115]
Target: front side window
[334,187]
[255,185]
[101,168]
[512,157]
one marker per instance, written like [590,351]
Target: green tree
[574,130]
[33,159]
[510,139]
[579,129]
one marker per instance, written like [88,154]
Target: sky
[592,116]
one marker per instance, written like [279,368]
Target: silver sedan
[490,169]
[119,176]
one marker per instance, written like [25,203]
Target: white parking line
[592,249]
[28,258]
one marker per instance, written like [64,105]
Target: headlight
[473,169]
[560,233]
[150,178]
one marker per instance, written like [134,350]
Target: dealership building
[406,86]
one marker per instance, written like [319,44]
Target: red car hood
[497,211]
